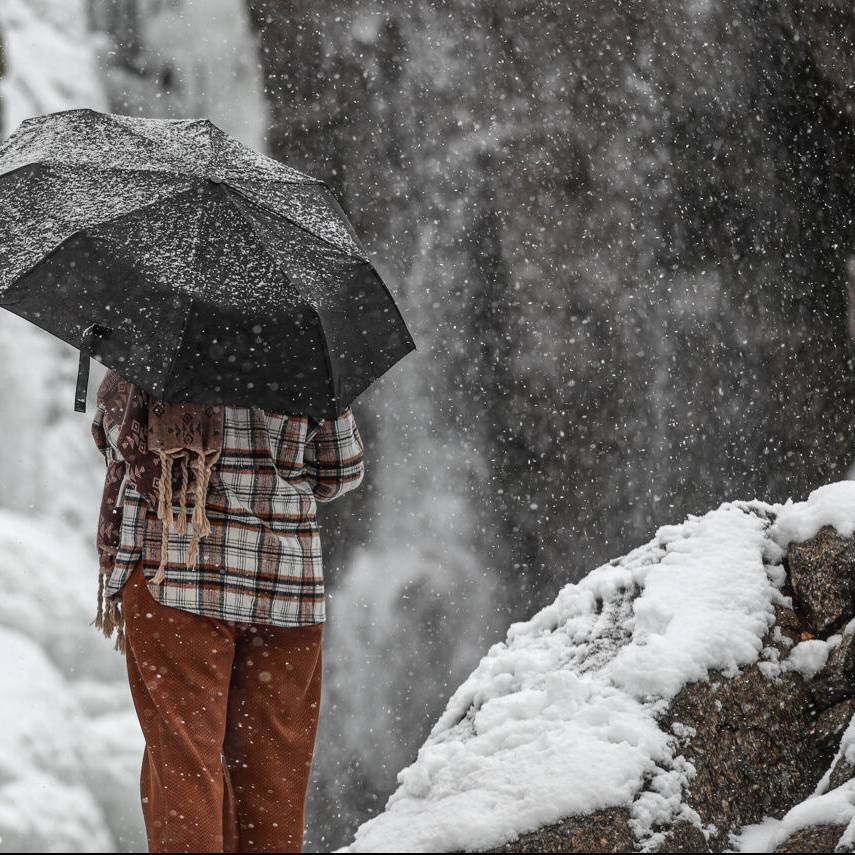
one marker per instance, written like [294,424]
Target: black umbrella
[196,267]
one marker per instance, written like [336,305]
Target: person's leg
[179,668]
[274,702]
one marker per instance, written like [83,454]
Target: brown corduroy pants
[229,713]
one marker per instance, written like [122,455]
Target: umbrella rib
[345,219]
[20,167]
[133,131]
[112,220]
[294,223]
[326,349]
[168,377]
[258,238]
[350,255]
[323,335]
[44,257]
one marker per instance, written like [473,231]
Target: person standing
[211,579]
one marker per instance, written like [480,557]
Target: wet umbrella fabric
[196,267]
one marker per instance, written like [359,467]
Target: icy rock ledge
[696,695]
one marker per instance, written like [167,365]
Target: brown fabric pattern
[192,437]
[152,438]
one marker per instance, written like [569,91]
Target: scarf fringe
[109,617]
[145,428]
[200,525]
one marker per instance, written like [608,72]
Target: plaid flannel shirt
[262,561]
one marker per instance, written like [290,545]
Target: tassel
[109,619]
[164,505]
[199,522]
[202,474]
[164,513]
[99,614]
[121,644]
[181,526]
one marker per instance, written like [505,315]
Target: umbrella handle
[86,343]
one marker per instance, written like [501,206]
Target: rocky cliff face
[697,695]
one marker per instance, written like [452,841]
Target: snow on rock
[835,808]
[809,657]
[564,718]
[847,745]
[832,504]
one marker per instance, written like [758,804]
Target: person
[211,579]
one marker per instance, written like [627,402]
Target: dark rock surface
[841,773]
[822,573]
[604,831]
[753,750]
[684,837]
[761,741]
[818,838]
[834,683]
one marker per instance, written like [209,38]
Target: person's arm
[105,432]
[99,433]
[334,457]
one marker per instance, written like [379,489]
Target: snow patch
[809,657]
[70,745]
[833,504]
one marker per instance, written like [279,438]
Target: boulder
[759,746]
[822,573]
[697,695]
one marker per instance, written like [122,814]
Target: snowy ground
[70,745]
[561,719]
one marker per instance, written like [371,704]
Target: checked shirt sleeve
[100,435]
[334,457]
[106,436]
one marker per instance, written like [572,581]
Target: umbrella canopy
[196,267]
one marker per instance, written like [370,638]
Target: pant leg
[179,668]
[274,703]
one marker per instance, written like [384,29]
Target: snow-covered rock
[678,699]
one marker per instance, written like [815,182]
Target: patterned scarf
[168,451]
